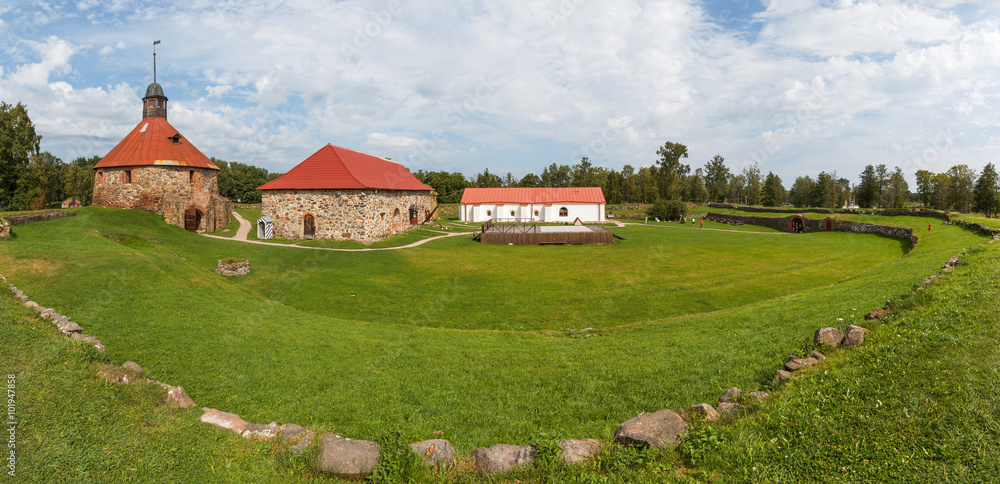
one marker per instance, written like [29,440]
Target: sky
[797,87]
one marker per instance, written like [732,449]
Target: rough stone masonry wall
[782,223]
[360,215]
[166,190]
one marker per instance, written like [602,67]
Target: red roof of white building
[478,196]
[335,167]
[155,142]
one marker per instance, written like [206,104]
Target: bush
[667,209]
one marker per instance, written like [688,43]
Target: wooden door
[309,226]
[191,220]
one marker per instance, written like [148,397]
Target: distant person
[928,227]
[702,222]
[692,222]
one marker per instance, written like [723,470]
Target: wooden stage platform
[497,234]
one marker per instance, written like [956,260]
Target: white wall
[587,212]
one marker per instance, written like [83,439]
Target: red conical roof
[335,167]
[155,142]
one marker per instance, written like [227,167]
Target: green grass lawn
[458,339]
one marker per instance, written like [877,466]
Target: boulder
[816,354]
[436,452]
[48,313]
[782,377]
[502,457]
[225,420]
[730,395]
[759,398]
[576,451]
[261,431]
[68,327]
[876,313]
[88,339]
[796,363]
[855,336]
[704,411]
[297,435]
[350,459]
[134,368]
[114,374]
[31,304]
[828,336]
[656,429]
[177,396]
[729,409]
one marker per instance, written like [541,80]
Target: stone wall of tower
[166,190]
[364,216]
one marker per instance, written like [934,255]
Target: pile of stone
[232,267]
[65,326]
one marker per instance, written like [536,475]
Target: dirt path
[245,225]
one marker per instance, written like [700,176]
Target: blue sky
[798,87]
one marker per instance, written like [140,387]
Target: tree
[556,176]
[449,186]
[925,187]
[824,192]
[583,174]
[487,180]
[696,191]
[941,191]
[773,192]
[630,184]
[614,192]
[665,209]
[716,179]
[647,184]
[881,178]
[671,171]
[961,182]
[529,180]
[987,192]
[509,180]
[751,176]
[238,181]
[897,190]
[737,188]
[78,179]
[38,184]
[867,194]
[18,142]
[801,193]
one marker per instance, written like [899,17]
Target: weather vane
[154,60]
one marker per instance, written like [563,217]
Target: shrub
[667,209]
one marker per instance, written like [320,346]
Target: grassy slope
[234,351]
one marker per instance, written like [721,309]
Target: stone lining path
[245,225]
[679,226]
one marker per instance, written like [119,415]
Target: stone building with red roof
[157,169]
[534,204]
[342,194]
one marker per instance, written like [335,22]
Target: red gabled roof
[151,143]
[476,196]
[335,167]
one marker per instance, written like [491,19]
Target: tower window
[127,176]
[175,139]
[190,176]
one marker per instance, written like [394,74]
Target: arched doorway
[796,224]
[828,223]
[309,226]
[192,219]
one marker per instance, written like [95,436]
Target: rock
[260,431]
[23,297]
[177,396]
[576,451]
[816,354]
[114,374]
[935,277]
[225,420]
[655,429]
[89,339]
[952,262]
[347,458]
[134,368]
[730,395]
[730,409]
[68,327]
[926,281]
[795,364]
[297,435]
[48,313]
[436,452]
[828,336]
[704,411]
[855,336]
[876,313]
[782,376]
[759,398]
[502,457]
[31,304]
